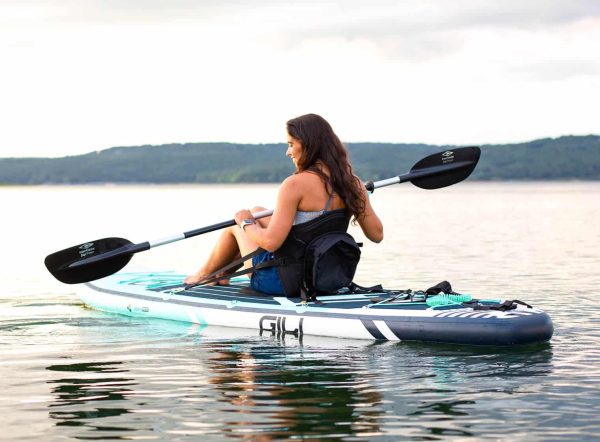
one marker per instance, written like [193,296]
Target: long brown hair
[321,145]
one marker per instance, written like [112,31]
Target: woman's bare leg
[232,244]
[225,251]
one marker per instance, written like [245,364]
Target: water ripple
[72,373]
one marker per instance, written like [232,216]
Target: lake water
[67,372]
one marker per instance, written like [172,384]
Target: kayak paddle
[438,170]
[96,259]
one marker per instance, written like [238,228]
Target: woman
[323,181]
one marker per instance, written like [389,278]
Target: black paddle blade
[58,263]
[445,168]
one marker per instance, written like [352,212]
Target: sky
[85,75]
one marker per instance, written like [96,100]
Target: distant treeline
[564,158]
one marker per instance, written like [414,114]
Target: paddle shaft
[147,245]
[206,229]
[432,172]
[370,186]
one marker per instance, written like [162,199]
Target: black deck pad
[242,292]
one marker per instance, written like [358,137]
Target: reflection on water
[491,374]
[79,398]
[300,395]
[269,388]
[256,389]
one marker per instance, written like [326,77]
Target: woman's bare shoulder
[301,179]
[299,186]
[291,185]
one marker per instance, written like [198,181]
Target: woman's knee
[264,222]
[231,230]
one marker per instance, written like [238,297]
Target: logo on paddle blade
[86,249]
[447,157]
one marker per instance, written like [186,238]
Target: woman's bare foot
[200,276]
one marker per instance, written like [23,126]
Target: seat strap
[222,272]
[358,289]
[503,307]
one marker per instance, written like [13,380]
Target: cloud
[557,70]
[347,18]
[420,30]
[410,30]
[117,72]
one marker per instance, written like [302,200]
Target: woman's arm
[369,221]
[272,237]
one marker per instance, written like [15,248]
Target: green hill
[564,158]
